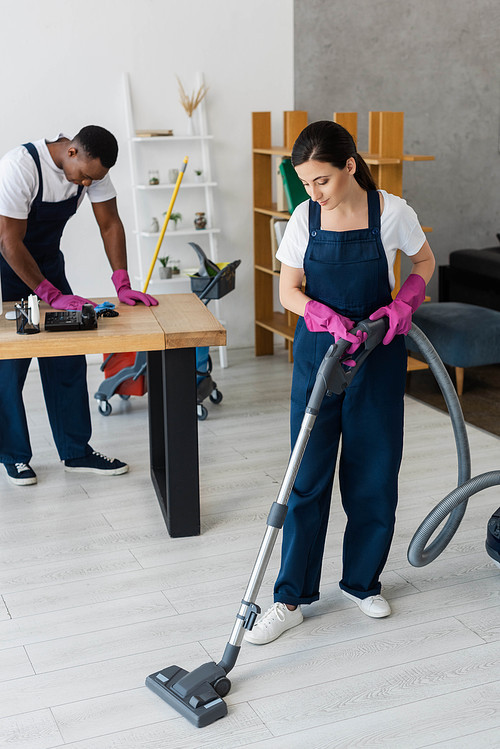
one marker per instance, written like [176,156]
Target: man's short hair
[98,143]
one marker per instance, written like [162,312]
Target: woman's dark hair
[331,143]
[98,143]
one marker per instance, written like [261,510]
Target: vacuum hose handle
[333,376]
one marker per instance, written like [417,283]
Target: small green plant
[175,217]
[198,172]
[163,261]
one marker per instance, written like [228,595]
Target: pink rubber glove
[408,299]
[320,319]
[354,347]
[48,293]
[126,294]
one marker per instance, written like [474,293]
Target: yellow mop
[164,227]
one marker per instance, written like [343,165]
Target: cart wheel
[104,408]
[202,412]
[222,686]
[215,396]
[124,397]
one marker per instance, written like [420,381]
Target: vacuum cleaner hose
[418,556]
[455,503]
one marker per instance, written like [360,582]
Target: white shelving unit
[163,153]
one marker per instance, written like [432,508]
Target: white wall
[62,63]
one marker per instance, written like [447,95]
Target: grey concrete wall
[439,62]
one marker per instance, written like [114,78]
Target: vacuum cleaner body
[493,537]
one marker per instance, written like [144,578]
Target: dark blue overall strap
[314,215]
[373,209]
[36,158]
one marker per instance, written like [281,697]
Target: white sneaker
[374,606]
[273,623]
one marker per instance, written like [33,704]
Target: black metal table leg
[173,438]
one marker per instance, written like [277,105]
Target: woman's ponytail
[363,176]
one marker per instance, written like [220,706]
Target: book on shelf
[153,133]
[277,230]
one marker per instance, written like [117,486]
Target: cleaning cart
[125,373]
[212,281]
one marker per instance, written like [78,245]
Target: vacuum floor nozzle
[193,693]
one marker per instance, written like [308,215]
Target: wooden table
[169,333]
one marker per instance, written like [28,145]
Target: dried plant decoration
[190,103]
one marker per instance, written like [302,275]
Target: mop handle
[164,227]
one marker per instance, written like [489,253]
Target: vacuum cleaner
[493,537]
[198,695]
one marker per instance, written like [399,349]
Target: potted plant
[199,175]
[175,217]
[165,269]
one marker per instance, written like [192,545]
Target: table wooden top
[187,322]
[179,321]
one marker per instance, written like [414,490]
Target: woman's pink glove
[126,294]
[322,319]
[408,299]
[48,293]
[361,338]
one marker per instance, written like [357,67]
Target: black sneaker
[20,474]
[96,463]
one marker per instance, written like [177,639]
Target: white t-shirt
[19,181]
[399,229]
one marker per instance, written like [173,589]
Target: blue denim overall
[348,272]
[64,379]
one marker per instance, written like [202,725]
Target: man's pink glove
[48,293]
[126,294]
[408,299]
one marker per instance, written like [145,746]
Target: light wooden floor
[95,595]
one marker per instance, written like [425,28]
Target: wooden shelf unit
[385,158]
[267,320]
